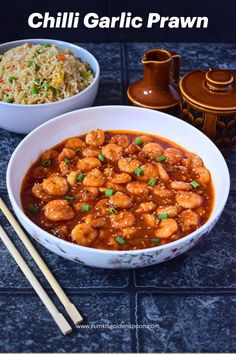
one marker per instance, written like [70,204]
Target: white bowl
[116,118]
[22,118]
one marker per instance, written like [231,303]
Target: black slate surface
[190,301]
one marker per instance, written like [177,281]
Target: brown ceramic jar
[209,103]
[158,89]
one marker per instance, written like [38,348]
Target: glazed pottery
[159,87]
[209,103]
[116,118]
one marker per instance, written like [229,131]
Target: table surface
[192,297]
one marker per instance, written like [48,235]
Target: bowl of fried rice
[42,78]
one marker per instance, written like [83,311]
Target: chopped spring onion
[161,158]
[33,65]
[37,82]
[138,141]
[101,157]
[85,207]
[109,192]
[138,171]
[163,216]
[80,177]
[120,240]
[195,184]
[9,100]
[12,78]
[69,198]
[152,181]
[67,161]
[47,45]
[54,91]
[33,208]
[46,163]
[34,90]
[112,210]
[46,86]
[154,240]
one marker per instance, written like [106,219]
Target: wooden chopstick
[57,316]
[68,305]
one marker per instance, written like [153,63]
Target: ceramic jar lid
[212,90]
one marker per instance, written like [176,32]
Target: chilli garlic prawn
[118,190]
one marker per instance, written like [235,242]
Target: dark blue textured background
[192,298]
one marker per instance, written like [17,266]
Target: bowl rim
[57,42]
[175,243]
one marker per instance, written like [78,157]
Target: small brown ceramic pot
[158,89]
[209,103]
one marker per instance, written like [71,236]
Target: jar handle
[175,68]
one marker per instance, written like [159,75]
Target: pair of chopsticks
[68,305]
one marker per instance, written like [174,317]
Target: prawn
[204,176]
[66,154]
[75,143]
[179,185]
[146,207]
[112,152]
[188,200]
[120,200]
[137,188]
[95,137]
[94,178]
[189,219]
[55,185]
[173,156]
[122,219]
[88,163]
[152,150]
[120,178]
[167,228]
[121,140]
[83,234]
[127,164]
[58,210]
[150,170]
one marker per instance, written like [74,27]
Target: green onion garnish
[46,163]
[47,45]
[67,161]
[112,210]
[161,158]
[120,240]
[46,86]
[152,181]
[101,157]
[69,198]
[154,240]
[33,65]
[163,216]
[37,82]
[195,184]
[54,91]
[33,208]
[109,192]
[9,100]
[138,171]
[12,78]
[80,177]
[85,207]
[138,141]
[34,90]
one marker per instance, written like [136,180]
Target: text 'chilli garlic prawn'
[118,191]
